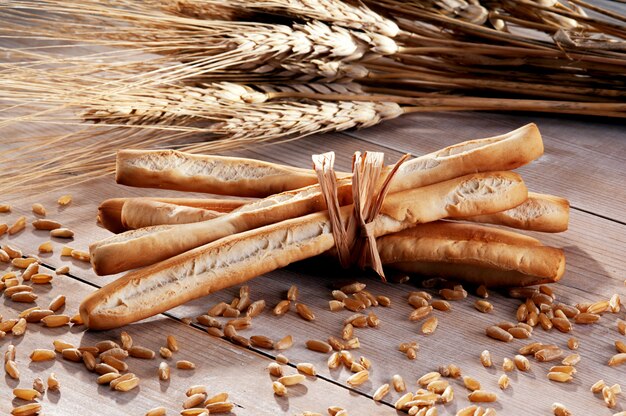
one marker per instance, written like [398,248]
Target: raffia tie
[355,241]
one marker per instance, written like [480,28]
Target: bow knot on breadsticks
[355,241]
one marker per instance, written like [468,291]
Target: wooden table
[584,161]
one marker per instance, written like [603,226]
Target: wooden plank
[595,271]
[584,158]
[584,161]
[220,365]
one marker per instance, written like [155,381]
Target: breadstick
[505,152]
[170,169]
[130,250]
[237,258]
[472,253]
[540,212]
[142,213]
[110,210]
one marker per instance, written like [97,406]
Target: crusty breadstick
[110,210]
[514,149]
[540,212]
[142,213]
[472,253]
[505,152]
[247,177]
[171,169]
[140,247]
[239,257]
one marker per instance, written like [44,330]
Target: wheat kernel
[291,380]
[284,343]
[306,368]
[163,371]
[483,306]
[185,365]
[503,382]
[282,307]
[381,392]
[560,377]
[499,334]
[521,363]
[62,233]
[430,325]
[482,396]
[17,226]
[27,409]
[471,383]
[157,411]
[319,346]
[485,359]
[53,382]
[42,355]
[560,410]
[617,359]
[279,388]
[508,365]
[398,383]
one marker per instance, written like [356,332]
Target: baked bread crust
[540,212]
[171,169]
[472,253]
[110,210]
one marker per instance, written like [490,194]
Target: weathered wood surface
[220,365]
[596,269]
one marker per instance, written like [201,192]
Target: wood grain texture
[220,365]
[595,271]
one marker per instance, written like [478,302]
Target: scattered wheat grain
[163,371]
[62,233]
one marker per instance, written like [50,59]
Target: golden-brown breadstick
[472,253]
[221,175]
[540,212]
[110,210]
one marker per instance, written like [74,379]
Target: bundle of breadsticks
[421,216]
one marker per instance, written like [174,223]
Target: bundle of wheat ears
[211,75]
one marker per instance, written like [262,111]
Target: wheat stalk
[206,10]
[243,113]
[329,11]
[215,117]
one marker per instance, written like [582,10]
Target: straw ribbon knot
[355,240]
